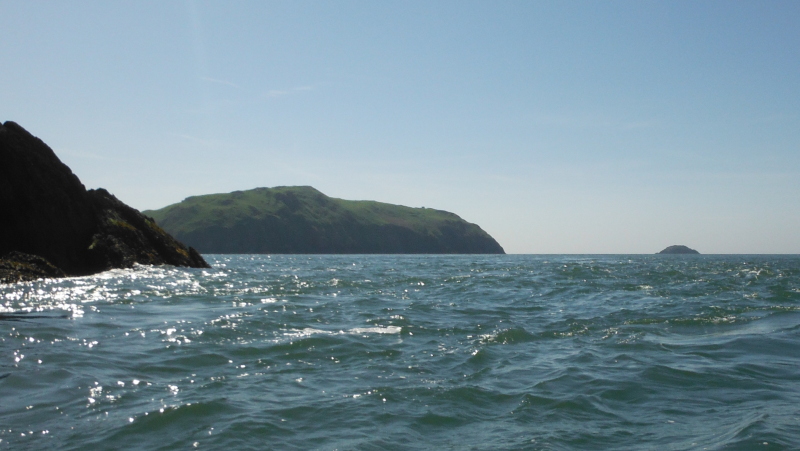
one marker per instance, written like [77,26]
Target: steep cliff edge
[46,212]
[302,220]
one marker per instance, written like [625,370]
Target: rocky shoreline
[52,226]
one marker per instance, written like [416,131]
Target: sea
[388,352]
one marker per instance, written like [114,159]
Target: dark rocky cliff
[45,211]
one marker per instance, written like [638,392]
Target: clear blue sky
[558,127]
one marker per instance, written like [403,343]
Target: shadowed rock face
[678,249]
[18,267]
[47,212]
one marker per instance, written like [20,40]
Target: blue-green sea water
[610,352]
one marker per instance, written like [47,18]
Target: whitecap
[376,330]
[309,331]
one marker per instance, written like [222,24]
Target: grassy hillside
[303,220]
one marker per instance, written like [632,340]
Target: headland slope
[302,220]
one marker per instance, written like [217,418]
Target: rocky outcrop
[678,249]
[48,213]
[124,237]
[19,267]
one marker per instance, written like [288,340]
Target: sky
[558,127]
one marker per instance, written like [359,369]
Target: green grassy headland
[301,219]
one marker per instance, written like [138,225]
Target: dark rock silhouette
[678,249]
[17,267]
[48,213]
[302,220]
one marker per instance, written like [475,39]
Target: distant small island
[302,220]
[678,249]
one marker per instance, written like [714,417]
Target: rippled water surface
[408,352]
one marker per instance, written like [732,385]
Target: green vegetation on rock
[303,220]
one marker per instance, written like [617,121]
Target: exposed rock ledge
[52,226]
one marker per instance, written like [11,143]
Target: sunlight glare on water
[408,352]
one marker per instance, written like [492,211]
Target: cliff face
[47,212]
[302,220]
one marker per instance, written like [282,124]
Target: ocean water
[612,352]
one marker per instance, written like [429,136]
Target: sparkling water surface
[408,352]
